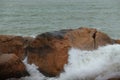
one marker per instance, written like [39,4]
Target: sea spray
[34,73]
[99,64]
[107,76]
[87,65]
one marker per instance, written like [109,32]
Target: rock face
[102,39]
[82,38]
[49,51]
[117,41]
[88,39]
[114,79]
[11,66]
[13,44]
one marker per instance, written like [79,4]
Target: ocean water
[32,17]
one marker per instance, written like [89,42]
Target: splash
[88,65]
[34,73]
[99,64]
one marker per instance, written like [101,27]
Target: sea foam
[99,64]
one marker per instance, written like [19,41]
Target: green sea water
[32,17]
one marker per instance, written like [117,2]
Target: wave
[99,64]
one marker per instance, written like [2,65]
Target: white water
[99,64]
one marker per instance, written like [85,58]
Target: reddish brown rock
[117,41]
[13,44]
[102,39]
[49,51]
[11,67]
[82,38]
[114,79]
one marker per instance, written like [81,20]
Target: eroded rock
[14,44]
[114,79]
[82,38]
[49,51]
[102,39]
[117,41]
[11,67]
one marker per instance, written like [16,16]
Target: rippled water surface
[31,17]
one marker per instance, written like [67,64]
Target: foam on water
[99,64]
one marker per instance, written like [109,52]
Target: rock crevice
[94,37]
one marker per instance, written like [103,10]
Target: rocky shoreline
[49,51]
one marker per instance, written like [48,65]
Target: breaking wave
[99,64]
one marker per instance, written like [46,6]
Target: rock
[11,67]
[82,38]
[117,41]
[102,39]
[88,38]
[49,51]
[13,44]
[114,79]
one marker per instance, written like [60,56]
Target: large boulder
[49,51]
[14,44]
[11,67]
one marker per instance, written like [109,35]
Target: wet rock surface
[49,53]
[12,44]
[114,79]
[11,66]
[49,50]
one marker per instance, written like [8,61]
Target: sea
[33,17]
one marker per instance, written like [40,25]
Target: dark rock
[11,67]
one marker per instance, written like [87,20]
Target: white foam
[34,73]
[87,65]
[99,64]
[108,76]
